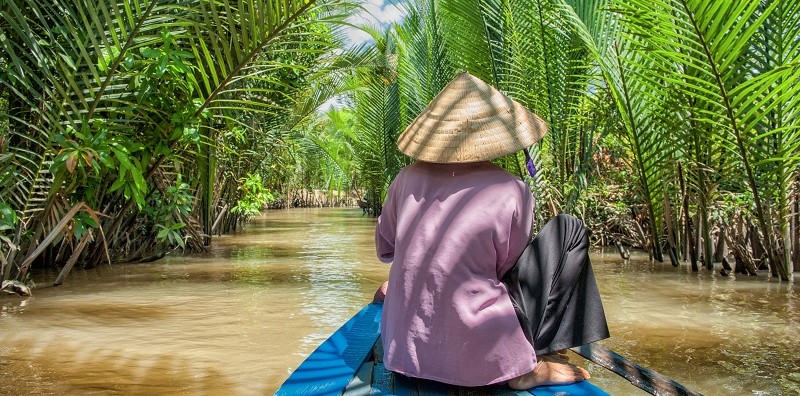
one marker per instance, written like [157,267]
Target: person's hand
[380,294]
[550,370]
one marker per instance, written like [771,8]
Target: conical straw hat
[470,121]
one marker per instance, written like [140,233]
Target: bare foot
[551,369]
[380,294]
[562,354]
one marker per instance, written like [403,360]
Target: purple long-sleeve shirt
[452,231]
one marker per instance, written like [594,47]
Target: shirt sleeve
[520,230]
[385,231]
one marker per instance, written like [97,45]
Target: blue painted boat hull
[345,365]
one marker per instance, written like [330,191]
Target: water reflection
[239,319]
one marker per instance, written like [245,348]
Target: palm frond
[639,100]
[423,66]
[707,44]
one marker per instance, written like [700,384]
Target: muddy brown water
[239,319]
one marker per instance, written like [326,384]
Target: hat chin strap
[529,163]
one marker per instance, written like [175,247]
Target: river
[240,318]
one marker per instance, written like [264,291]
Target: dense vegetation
[673,124]
[133,127]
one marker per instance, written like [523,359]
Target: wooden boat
[350,363]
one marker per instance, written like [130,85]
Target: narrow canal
[239,319]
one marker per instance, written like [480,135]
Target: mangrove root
[623,252]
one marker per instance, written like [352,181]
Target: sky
[377,13]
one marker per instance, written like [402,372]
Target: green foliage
[164,79]
[8,222]
[103,103]
[325,151]
[8,219]
[727,91]
[523,48]
[155,112]
[81,223]
[254,197]
[710,86]
[86,159]
[606,209]
[167,210]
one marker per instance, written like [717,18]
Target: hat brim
[470,121]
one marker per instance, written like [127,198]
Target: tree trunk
[670,229]
[758,249]
[719,251]
[786,249]
[744,266]
[796,233]
[73,258]
[689,244]
[695,241]
[220,216]
[704,228]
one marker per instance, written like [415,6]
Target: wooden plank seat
[350,363]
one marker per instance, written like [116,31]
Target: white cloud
[376,13]
[383,12]
[356,36]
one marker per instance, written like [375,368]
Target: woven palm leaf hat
[470,121]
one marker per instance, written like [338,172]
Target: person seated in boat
[471,300]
